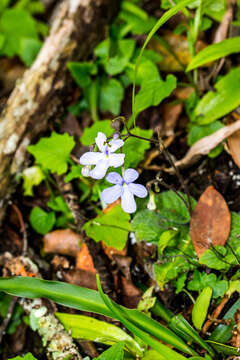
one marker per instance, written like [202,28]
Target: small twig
[7,318]
[215,314]
[22,229]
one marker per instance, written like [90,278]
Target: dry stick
[39,96]
[7,318]
[100,260]
[215,314]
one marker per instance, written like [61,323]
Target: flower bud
[86,170]
[151,205]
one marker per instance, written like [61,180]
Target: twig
[215,314]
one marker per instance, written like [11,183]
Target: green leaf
[116,64]
[214,52]
[137,19]
[147,70]
[32,176]
[135,149]
[200,307]
[74,173]
[86,300]
[155,28]
[82,71]
[28,356]
[112,228]
[53,152]
[152,355]
[88,328]
[115,352]
[16,24]
[180,282]
[202,280]
[111,96]
[118,312]
[224,349]
[153,92]
[90,133]
[148,225]
[29,48]
[165,239]
[41,221]
[215,105]
[215,259]
[175,260]
[223,332]
[172,207]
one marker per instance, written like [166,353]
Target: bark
[77,27]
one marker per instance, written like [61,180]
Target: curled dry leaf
[234,147]
[210,222]
[84,260]
[205,145]
[64,242]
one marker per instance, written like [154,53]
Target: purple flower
[124,188]
[104,159]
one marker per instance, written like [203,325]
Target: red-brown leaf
[211,221]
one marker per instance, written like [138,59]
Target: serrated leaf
[111,96]
[200,307]
[219,103]
[90,133]
[41,221]
[153,92]
[82,71]
[53,153]
[175,260]
[134,148]
[202,280]
[214,52]
[112,228]
[32,176]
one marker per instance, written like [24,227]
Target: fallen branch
[77,27]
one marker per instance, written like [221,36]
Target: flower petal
[138,190]
[127,201]
[100,140]
[114,178]
[100,169]
[116,160]
[130,175]
[115,144]
[111,194]
[91,158]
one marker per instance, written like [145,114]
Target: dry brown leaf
[171,113]
[64,242]
[81,278]
[205,145]
[179,44]
[210,222]
[183,93]
[84,260]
